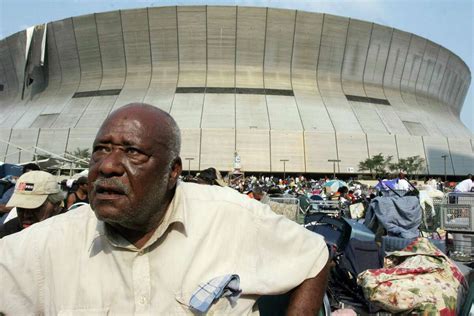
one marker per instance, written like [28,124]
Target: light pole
[444,158]
[334,166]
[189,165]
[284,167]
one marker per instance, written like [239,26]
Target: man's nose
[112,163]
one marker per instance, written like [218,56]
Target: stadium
[288,91]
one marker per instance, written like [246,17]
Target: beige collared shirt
[73,264]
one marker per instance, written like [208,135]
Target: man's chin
[112,216]
[107,213]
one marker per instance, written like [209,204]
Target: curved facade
[271,84]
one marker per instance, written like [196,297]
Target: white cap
[32,189]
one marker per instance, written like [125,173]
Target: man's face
[129,173]
[84,187]
[32,216]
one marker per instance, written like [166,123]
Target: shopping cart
[286,206]
[325,206]
[457,218]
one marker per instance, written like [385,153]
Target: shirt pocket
[220,307]
[84,312]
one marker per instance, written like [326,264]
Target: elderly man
[37,196]
[152,244]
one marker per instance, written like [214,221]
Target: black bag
[357,257]
[336,231]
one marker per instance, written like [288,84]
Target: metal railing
[65,158]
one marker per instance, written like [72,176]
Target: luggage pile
[382,265]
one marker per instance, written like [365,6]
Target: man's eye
[132,151]
[136,154]
[101,149]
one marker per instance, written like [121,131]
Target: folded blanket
[419,279]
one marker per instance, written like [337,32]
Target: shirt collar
[174,214]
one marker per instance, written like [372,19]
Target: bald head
[159,123]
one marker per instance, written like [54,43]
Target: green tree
[412,165]
[377,165]
[83,154]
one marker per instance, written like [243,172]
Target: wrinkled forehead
[134,127]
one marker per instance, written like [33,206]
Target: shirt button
[143,300]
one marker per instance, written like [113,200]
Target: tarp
[386,184]
[10,169]
[400,216]
[35,49]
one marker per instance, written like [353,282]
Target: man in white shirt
[151,241]
[465,185]
[402,183]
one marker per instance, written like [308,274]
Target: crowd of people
[348,192]
[265,188]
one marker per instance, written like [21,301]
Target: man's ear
[176,170]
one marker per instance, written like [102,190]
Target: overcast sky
[445,22]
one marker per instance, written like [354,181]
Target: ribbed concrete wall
[270,84]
